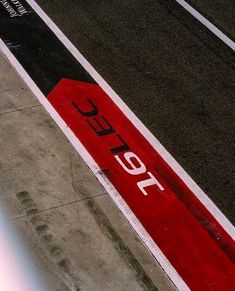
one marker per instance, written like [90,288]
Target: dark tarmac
[172,72]
[221,13]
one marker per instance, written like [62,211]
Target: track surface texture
[178,77]
[172,72]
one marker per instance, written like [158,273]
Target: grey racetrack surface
[221,13]
[174,74]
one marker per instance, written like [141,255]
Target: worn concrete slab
[75,233]
[35,157]
[13,96]
[80,245]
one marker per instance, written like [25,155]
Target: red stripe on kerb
[188,235]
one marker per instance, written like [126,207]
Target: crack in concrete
[19,109]
[58,206]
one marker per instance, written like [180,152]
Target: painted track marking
[229,42]
[92,164]
[206,201]
[122,205]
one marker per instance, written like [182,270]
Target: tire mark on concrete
[123,250]
[54,250]
[105,225]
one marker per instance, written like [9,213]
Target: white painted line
[208,24]
[137,226]
[219,216]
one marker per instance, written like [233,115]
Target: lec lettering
[129,161]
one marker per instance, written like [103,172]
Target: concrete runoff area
[74,232]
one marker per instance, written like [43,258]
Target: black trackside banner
[36,47]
